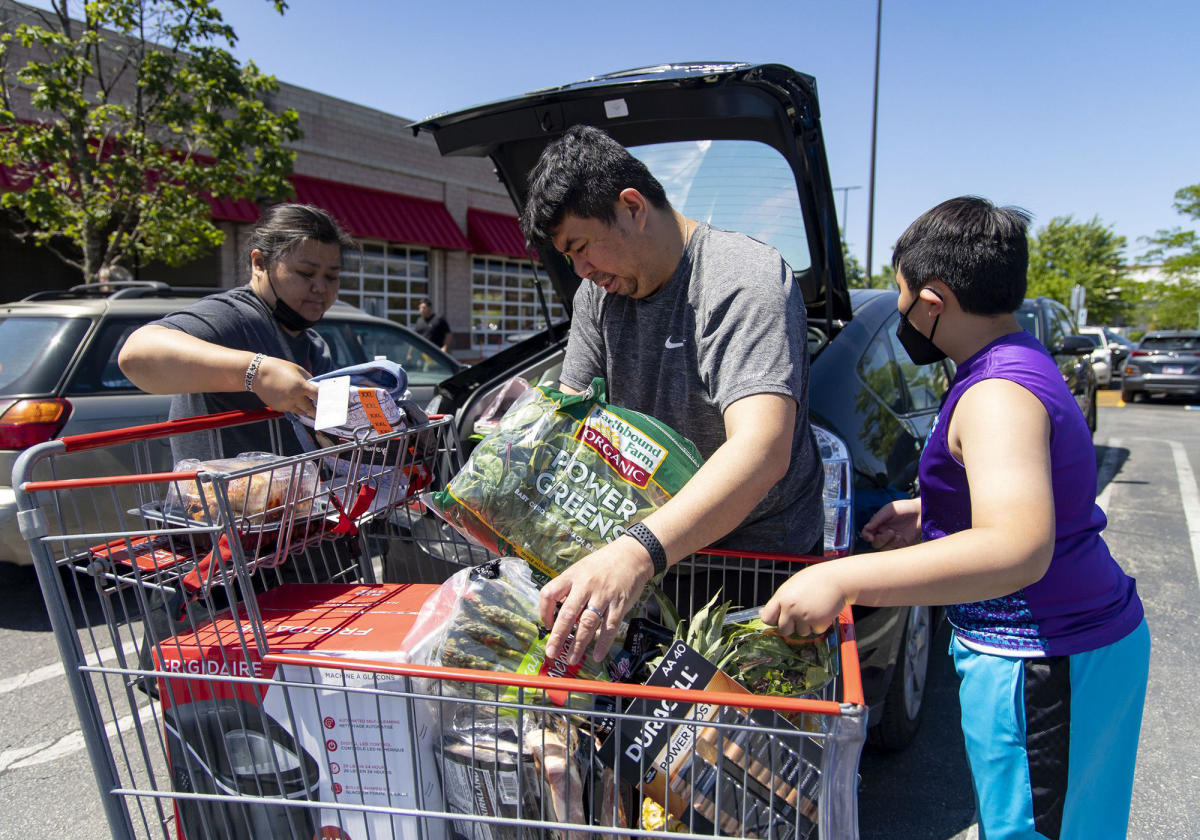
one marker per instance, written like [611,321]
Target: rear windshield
[738,185]
[35,352]
[1171,342]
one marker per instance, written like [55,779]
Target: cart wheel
[905,698]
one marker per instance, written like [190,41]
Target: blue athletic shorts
[1052,741]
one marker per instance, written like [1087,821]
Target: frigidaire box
[310,735]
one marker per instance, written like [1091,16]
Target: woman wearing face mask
[252,345]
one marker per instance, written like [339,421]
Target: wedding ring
[596,611]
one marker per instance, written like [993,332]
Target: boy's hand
[895,525]
[807,603]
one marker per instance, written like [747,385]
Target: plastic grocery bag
[260,498]
[486,618]
[562,475]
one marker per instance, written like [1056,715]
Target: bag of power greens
[562,475]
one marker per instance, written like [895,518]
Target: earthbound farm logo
[634,456]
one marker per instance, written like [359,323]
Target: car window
[35,352]
[1118,338]
[1055,329]
[351,342]
[1028,320]
[880,373]
[98,372]
[422,366]
[925,384]
[740,185]
[1170,342]
[1094,338]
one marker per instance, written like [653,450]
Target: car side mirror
[1075,345]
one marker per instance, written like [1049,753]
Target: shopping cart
[237,674]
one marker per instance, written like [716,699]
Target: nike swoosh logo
[671,345]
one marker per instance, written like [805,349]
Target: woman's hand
[592,597]
[895,525]
[285,386]
[808,602]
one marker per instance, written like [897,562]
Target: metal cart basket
[233,652]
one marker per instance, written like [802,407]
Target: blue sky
[1064,107]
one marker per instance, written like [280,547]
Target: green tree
[854,269]
[1174,301]
[1065,253]
[121,122]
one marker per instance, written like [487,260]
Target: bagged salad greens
[486,618]
[562,475]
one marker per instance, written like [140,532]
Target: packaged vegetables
[562,475]
[486,618]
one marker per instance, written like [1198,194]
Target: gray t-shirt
[729,323]
[240,319]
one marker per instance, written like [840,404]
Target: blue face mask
[920,348]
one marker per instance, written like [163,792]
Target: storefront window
[505,308]
[386,280]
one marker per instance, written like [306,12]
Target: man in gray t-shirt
[701,328]
[729,323]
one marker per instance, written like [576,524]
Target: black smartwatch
[658,554]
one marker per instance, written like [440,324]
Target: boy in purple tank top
[1049,641]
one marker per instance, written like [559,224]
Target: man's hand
[285,386]
[895,525]
[808,602]
[594,594]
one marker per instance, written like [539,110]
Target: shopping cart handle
[203,422]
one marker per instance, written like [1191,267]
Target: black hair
[980,251]
[282,228]
[582,173]
[425,301]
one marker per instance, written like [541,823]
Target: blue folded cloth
[380,373]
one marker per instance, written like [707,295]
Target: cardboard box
[324,743]
[757,778]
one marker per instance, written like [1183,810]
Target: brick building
[429,226]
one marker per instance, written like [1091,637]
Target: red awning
[496,233]
[375,214]
[234,210]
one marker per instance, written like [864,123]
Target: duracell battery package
[737,771]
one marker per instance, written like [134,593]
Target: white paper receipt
[333,401]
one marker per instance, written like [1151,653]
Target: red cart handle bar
[183,425]
[149,431]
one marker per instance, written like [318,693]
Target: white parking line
[72,742]
[1108,470]
[1190,497]
[49,672]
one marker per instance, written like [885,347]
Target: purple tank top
[1084,601]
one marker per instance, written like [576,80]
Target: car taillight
[1139,353]
[838,494]
[27,422]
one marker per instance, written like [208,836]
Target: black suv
[1052,325]
[740,146]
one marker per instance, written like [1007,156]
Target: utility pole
[845,191]
[874,119]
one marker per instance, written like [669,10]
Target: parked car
[59,374]
[740,146]
[1054,327]
[1163,362]
[1108,359]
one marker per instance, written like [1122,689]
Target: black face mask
[920,349]
[284,314]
